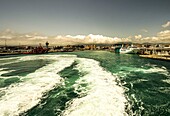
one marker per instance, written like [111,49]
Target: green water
[54,101]
[146,82]
[19,69]
[23,68]
[152,94]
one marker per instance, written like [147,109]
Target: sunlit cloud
[77,36]
[138,36]
[28,36]
[161,37]
[164,35]
[38,38]
[166,24]
[35,39]
[150,39]
[93,39]
[5,37]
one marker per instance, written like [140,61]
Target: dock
[157,57]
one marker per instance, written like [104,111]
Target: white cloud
[5,37]
[164,33]
[76,37]
[87,39]
[150,39]
[38,38]
[162,37]
[138,36]
[166,25]
[98,39]
[35,39]
[28,36]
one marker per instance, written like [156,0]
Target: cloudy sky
[91,20]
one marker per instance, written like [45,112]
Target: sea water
[89,83]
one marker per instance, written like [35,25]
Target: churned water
[89,83]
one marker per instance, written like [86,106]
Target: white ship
[129,50]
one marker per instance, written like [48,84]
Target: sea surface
[86,83]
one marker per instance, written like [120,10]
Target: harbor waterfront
[84,58]
[153,51]
[84,83]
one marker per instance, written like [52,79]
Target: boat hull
[128,51]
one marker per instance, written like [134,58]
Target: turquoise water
[89,83]
[146,81]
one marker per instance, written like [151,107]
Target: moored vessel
[128,50]
[38,50]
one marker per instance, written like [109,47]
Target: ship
[128,50]
[38,50]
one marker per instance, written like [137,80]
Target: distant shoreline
[156,57]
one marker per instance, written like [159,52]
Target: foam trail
[22,96]
[4,61]
[152,69]
[11,58]
[2,72]
[104,97]
[155,70]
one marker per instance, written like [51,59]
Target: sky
[111,18]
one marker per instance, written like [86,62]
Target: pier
[154,51]
[158,57]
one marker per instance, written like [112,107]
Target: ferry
[128,50]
